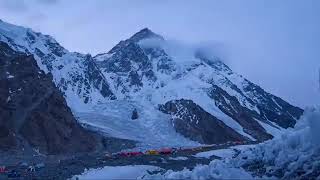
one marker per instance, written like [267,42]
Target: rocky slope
[146,67]
[34,114]
[190,120]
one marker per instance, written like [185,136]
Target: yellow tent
[152,152]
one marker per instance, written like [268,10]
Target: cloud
[272,43]
[48,2]
[184,52]
[13,5]
[23,6]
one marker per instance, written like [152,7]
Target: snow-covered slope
[146,67]
[76,75]
[152,129]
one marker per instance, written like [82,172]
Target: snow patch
[180,158]
[116,172]
[274,130]
[223,153]
[103,57]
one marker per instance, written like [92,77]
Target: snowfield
[223,153]
[292,155]
[180,158]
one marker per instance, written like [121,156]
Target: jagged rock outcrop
[34,114]
[244,116]
[129,64]
[134,114]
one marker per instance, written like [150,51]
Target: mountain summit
[144,34]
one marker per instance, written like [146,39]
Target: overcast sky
[274,43]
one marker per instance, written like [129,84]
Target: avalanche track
[152,129]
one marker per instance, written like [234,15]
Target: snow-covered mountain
[148,68]
[76,75]
[176,90]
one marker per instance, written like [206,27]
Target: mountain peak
[144,33]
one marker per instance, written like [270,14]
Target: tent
[166,151]
[136,153]
[152,152]
[2,169]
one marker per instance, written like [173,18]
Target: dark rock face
[97,79]
[274,108]
[129,64]
[270,108]
[193,122]
[144,34]
[33,111]
[245,117]
[85,82]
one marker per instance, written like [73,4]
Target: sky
[275,44]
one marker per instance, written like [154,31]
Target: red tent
[137,153]
[123,154]
[166,151]
[2,169]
